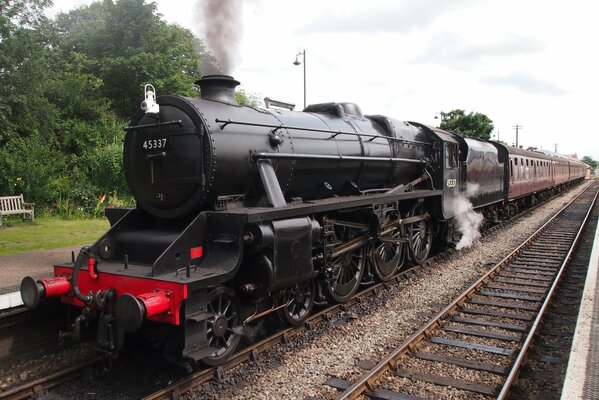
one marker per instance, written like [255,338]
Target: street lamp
[439,117]
[298,62]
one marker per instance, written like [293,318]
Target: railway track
[198,378]
[38,386]
[477,344]
[249,353]
[545,366]
[18,341]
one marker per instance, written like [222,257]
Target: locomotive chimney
[219,88]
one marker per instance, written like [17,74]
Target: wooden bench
[14,205]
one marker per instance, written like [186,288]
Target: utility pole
[517,127]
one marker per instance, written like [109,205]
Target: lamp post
[298,62]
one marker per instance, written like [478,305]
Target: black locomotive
[242,212]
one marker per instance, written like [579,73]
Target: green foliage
[127,45]
[589,160]
[27,165]
[67,88]
[474,124]
[19,14]
[245,99]
[23,65]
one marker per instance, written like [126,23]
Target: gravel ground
[21,373]
[377,325]
[37,264]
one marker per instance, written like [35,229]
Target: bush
[27,165]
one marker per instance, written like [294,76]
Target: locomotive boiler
[245,212]
[196,152]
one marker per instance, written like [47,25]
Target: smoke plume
[221,20]
[469,221]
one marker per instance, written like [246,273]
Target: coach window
[451,155]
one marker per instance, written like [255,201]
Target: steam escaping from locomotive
[469,221]
[222,31]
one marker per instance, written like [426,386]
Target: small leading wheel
[420,236]
[388,253]
[345,272]
[299,300]
[223,330]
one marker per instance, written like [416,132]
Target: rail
[368,380]
[250,353]
[38,386]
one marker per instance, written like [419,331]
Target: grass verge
[49,232]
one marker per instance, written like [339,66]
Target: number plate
[152,144]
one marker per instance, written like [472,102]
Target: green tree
[589,160]
[473,124]
[25,63]
[127,45]
[29,165]
[69,85]
[246,99]
[19,14]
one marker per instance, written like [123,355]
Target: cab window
[451,155]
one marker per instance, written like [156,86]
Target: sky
[529,63]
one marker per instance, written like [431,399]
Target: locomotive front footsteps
[243,212]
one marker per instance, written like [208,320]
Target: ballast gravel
[374,327]
[367,331]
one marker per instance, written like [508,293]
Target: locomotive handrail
[299,128]
[296,156]
[378,136]
[156,125]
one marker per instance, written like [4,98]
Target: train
[244,212]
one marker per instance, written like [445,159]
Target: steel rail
[367,380]
[522,354]
[34,388]
[250,353]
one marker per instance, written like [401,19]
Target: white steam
[469,221]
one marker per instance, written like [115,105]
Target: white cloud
[379,16]
[525,82]
[454,51]
[531,63]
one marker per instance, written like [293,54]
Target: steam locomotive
[243,212]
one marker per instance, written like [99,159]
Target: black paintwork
[204,160]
